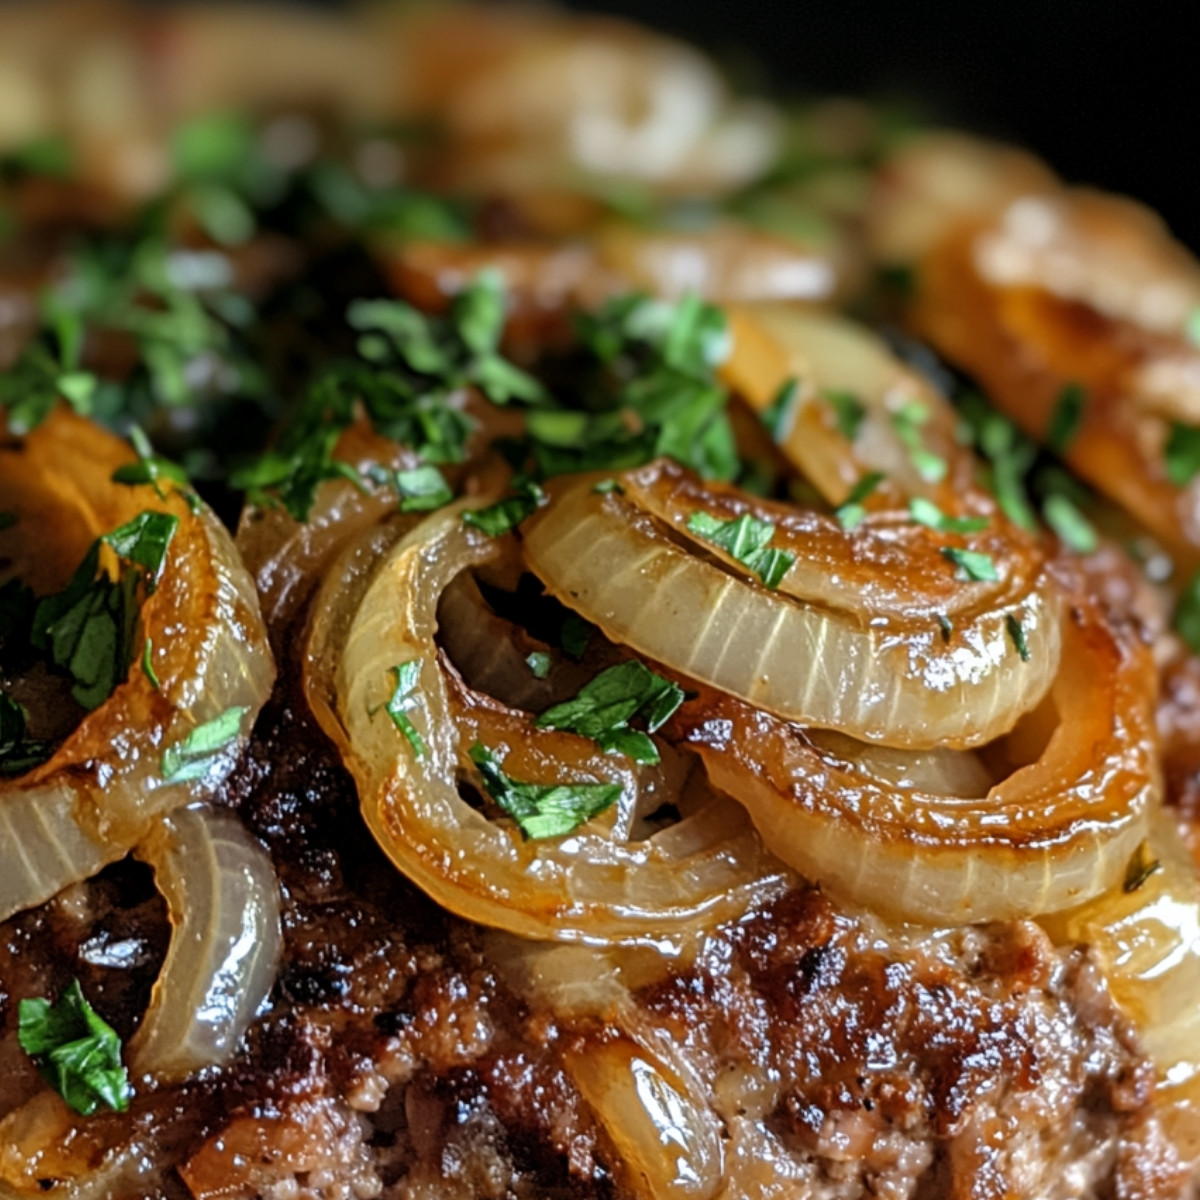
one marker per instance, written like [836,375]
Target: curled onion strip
[223,902]
[378,610]
[103,789]
[844,650]
[1051,834]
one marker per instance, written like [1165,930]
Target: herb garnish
[508,513]
[1187,613]
[542,810]
[538,662]
[148,664]
[1181,456]
[849,412]
[150,468]
[1066,417]
[925,512]
[780,415]
[745,538]
[402,699]
[908,422]
[1016,631]
[850,512]
[603,708]
[195,756]
[1068,522]
[971,564]
[76,1050]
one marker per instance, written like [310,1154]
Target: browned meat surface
[841,1059]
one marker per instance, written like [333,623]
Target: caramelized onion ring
[1050,835]
[851,642]
[102,790]
[377,610]
[223,902]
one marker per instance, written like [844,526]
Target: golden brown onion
[1077,792]
[854,639]
[377,610]
[103,789]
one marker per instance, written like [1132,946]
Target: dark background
[1106,92]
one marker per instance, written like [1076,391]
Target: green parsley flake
[971,564]
[849,412]
[850,512]
[1068,522]
[1181,456]
[908,422]
[144,541]
[499,518]
[538,662]
[603,708]
[745,539]
[76,1050]
[148,664]
[1187,613]
[149,468]
[1016,631]
[421,489]
[575,636]
[1066,417]
[404,697]
[542,810]
[196,755]
[925,512]
[780,415]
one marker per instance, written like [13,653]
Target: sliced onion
[223,903]
[378,610]
[852,641]
[826,352]
[1075,288]
[1052,833]
[667,1136]
[102,791]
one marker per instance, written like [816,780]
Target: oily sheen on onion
[377,610]
[1072,792]
[854,639]
[103,789]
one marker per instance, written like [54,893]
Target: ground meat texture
[399,1058]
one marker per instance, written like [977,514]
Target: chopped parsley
[1064,516]
[542,810]
[203,748]
[1181,456]
[1066,417]
[745,539]
[780,415]
[850,512]
[150,468]
[75,1050]
[421,489]
[148,664]
[18,752]
[925,512]
[1187,613]
[603,708]
[1016,631]
[849,412]
[404,697]
[575,636]
[908,421]
[971,564]
[538,662]
[499,518]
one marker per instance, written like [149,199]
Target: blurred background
[1104,90]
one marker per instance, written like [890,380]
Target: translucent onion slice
[907,427]
[854,639]
[1145,933]
[223,902]
[1051,834]
[378,610]
[103,790]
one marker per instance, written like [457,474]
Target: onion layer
[103,789]
[223,902]
[853,640]
[1053,833]
[378,610]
